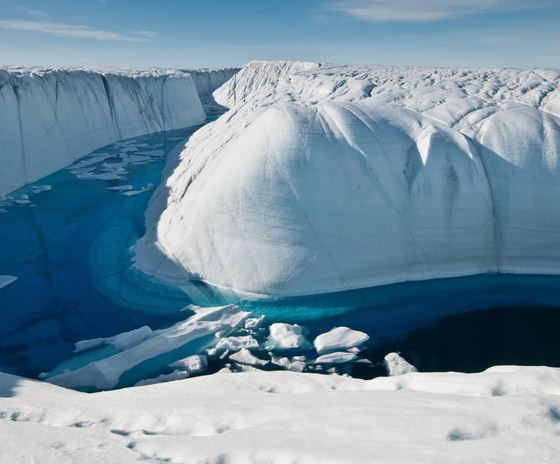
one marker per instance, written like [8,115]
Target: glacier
[50,117]
[323,178]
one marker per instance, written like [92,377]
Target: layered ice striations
[51,117]
[325,178]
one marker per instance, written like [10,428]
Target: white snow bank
[505,414]
[366,176]
[339,338]
[6,280]
[397,365]
[105,373]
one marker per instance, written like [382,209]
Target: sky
[220,33]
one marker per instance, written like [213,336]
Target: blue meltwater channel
[67,239]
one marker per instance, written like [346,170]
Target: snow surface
[326,178]
[50,117]
[505,414]
[339,338]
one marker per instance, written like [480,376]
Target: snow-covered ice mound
[324,178]
[505,414]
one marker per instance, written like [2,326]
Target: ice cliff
[325,177]
[51,117]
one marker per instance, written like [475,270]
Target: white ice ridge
[505,415]
[50,117]
[326,177]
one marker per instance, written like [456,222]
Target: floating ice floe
[286,337]
[397,365]
[6,280]
[120,188]
[339,338]
[130,193]
[153,153]
[90,160]
[103,176]
[338,357]
[40,188]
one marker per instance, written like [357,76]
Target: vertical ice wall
[51,117]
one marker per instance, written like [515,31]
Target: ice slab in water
[150,355]
[339,338]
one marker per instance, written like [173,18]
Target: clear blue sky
[213,33]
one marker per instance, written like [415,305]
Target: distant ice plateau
[324,178]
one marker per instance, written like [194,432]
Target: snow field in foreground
[505,414]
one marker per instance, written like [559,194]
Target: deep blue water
[70,249]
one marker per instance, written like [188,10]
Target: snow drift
[505,414]
[51,117]
[325,178]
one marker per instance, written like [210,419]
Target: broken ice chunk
[339,338]
[6,280]
[237,343]
[194,365]
[40,188]
[397,365]
[244,356]
[254,322]
[120,188]
[103,176]
[286,337]
[131,193]
[337,357]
